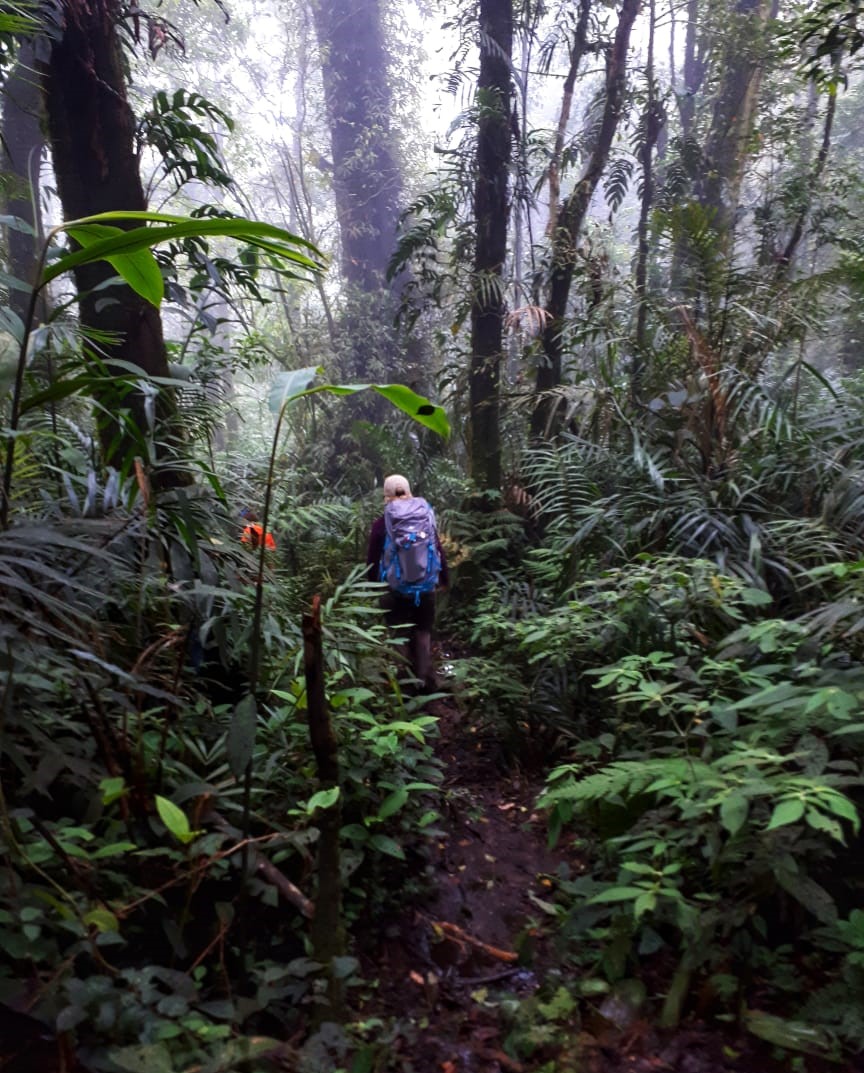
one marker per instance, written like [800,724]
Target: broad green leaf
[274,240]
[786,812]
[734,810]
[755,597]
[114,849]
[290,385]
[287,389]
[143,1058]
[323,799]
[354,832]
[820,822]
[617,894]
[644,903]
[793,1035]
[387,845]
[138,268]
[392,803]
[112,789]
[841,806]
[175,820]
[240,742]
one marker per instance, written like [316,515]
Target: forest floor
[473,978]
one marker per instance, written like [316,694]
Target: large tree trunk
[367,179]
[727,149]
[571,219]
[22,146]
[491,213]
[91,129]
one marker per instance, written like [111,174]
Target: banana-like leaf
[295,384]
[121,247]
[139,268]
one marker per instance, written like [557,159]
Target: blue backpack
[410,563]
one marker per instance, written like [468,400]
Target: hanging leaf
[287,387]
[139,268]
[241,735]
[290,385]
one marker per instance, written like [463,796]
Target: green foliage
[189,152]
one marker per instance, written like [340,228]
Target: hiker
[405,551]
[253,531]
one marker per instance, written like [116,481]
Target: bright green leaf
[323,799]
[175,820]
[138,268]
[392,803]
[786,812]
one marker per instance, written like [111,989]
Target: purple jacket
[375,549]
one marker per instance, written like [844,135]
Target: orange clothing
[254,533]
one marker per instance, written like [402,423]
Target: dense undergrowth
[678,642]
[689,650]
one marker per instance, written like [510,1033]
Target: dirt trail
[462,973]
[479,933]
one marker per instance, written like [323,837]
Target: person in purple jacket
[418,614]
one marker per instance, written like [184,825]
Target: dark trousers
[412,621]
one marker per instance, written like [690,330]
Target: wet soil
[462,973]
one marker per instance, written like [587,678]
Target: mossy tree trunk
[491,216]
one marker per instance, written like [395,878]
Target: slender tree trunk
[491,213]
[572,218]
[327,931]
[694,70]
[786,258]
[652,122]
[91,129]
[577,52]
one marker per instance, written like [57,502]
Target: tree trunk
[327,931]
[22,146]
[491,213]
[367,180]
[652,124]
[727,148]
[571,219]
[91,129]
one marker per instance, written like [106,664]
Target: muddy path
[474,977]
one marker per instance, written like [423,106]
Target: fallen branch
[460,936]
[293,895]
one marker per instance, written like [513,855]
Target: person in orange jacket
[253,531]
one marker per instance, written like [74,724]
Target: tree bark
[367,180]
[652,123]
[491,214]
[726,150]
[572,218]
[577,51]
[327,931]
[367,185]
[22,146]
[91,129]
